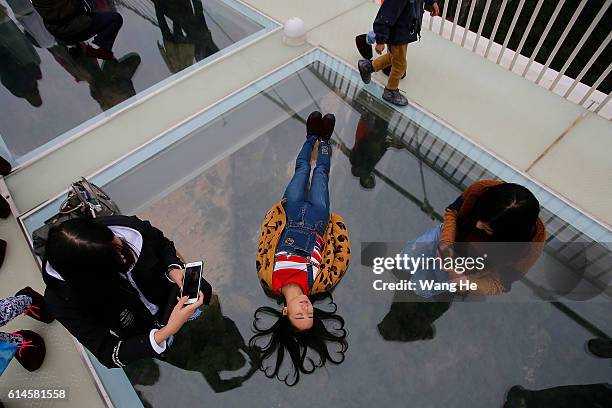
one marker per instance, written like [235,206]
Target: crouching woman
[109,281]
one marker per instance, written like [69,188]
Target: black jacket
[119,340]
[63,18]
[399,21]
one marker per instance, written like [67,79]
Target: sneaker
[5,167]
[314,124]
[329,121]
[395,97]
[5,208]
[38,310]
[601,348]
[31,353]
[365,70]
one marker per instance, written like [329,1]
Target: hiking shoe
[314,124]
[5,208]
[38,310]
[601,348]
[365,70]
[329,121]
[395,97]
[31,352]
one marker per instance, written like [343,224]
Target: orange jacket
[490,280]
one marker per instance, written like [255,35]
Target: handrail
[544,66]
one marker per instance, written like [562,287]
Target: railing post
[496,26]
[469,20]
[585,36]
[561,39]
[517,13]
[455,19]
[482,23]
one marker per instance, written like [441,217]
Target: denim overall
[307,212]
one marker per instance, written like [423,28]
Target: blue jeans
[104,27]
[307,211]
[426,245]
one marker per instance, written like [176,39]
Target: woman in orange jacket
[494,219]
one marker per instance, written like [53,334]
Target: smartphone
[191,281]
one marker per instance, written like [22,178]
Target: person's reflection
[567,396]
[372,140]
[211,345]
[110,83]
[76,21]
[189,38]
[19,62]
[413,319]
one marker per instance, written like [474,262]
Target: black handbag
[84,200]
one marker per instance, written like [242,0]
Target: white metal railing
[570,88]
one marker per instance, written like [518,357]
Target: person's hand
[181,313]
[445,250]
[176,275]
[435,9]
[379,48]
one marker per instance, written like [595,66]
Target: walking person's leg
[398,68]
[367,67]
[399,64]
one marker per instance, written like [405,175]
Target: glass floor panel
[47,95]
[208,185]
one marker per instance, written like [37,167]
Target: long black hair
[85,255]
[284,338]
[511,210]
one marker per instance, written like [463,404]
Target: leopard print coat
[336,250]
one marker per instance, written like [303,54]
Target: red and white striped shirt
[294,268]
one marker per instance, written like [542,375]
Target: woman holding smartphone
[108,282]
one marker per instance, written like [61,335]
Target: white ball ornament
[295,32]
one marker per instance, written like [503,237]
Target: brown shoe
[32,351]
[314,124]
[5,167]
[38,310]
[329,121]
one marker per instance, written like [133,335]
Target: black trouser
[104,27]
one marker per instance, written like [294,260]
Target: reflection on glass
[19,62]
[61,80]
[110,82]
[211,345]
[189,38]
[567,396]
[372,139]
